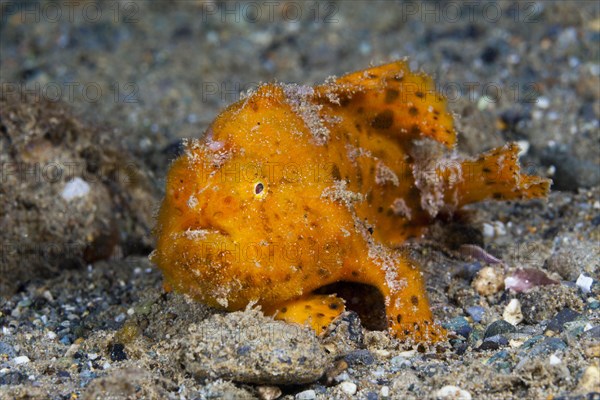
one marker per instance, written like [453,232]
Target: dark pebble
[243,350]
[547,346]
[489,55]
[589,396]
[557,324]
[493,343]
[460,347]
[499,327]
[354,327]
[117,352]
[64,374]
[469,270]
[529,343]
[460,325]
[12,378]
[364,357]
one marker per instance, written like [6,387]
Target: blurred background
[158,71]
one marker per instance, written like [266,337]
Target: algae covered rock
[70,194]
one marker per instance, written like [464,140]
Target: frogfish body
[293,188]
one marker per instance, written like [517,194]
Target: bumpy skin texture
[294,188]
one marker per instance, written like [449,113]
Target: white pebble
[453,393]
[306,395]
[92,356]
[385,391]
[348,387]
[488,230]
[523,147]
[543,102]
[75,188]
[584,283]
[499,228]
[342,377]
[554,360]
[106,365]
[20,360]
[51,335]
[512,312]
[589,380]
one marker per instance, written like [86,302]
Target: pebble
[573,257]
[7,349]
[524,279]
[372,396]
[306,395]
[12,378]
[501,355]
[348,387]
[75,188]
[590,381]
[493,343]
[268,352]
[499,327]
[460,325]
[557,324]
[385,391]
[476,312]
[453,393]
[591,334]
[117,352]
[554,360]
[400,362]
[512,312]
[547,346]
[584,283]
[268,392]
[364,357]
[488,281]
[20,360]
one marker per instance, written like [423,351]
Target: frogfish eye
[259,189]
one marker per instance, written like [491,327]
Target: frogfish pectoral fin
[497,175]
[315,310]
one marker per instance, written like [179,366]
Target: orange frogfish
[296,187]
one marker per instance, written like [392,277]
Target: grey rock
[248,347]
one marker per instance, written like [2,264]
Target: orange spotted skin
[294,188]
